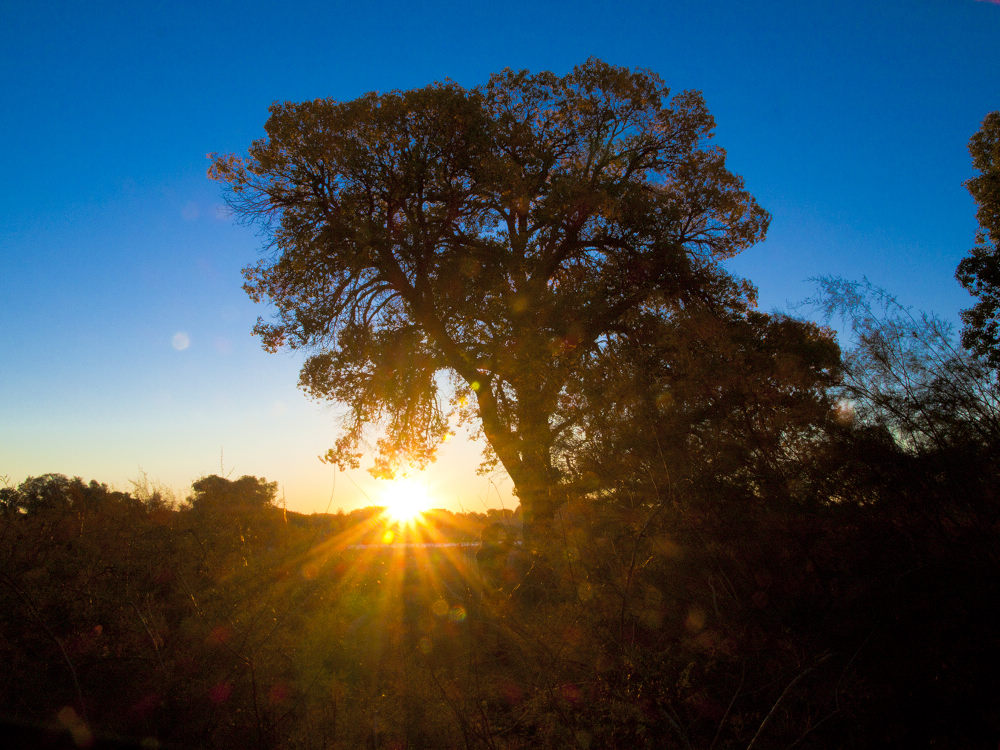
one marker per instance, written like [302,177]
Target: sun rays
[405,500]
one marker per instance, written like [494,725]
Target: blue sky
[848,120]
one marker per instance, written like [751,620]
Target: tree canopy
[51,492]
[502,235]
[707,406]
[246,492]
[979,272]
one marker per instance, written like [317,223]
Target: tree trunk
[535,480]
[526,454]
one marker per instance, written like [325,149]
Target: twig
[788,687]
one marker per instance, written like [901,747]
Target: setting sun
[405,499]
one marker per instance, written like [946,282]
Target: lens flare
[405,499]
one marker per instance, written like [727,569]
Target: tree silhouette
[704,409]
[979,272]
[906,374]
[501,235]
[220,493]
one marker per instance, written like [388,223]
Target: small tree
[905,373]
[501,235]
[246,493]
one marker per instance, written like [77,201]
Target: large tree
[979,272]
[501,235]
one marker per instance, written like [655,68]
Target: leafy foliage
[246,492]
[980,271]
[501,235]
[719,406]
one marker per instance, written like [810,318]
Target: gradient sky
[125,340]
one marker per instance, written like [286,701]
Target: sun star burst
[405,499]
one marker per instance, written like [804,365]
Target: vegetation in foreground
[738,537]
[742,562]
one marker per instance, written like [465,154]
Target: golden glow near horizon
[405,499]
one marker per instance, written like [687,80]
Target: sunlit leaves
[979,272]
